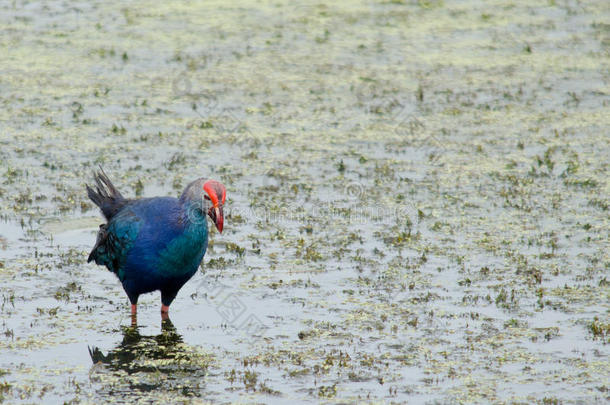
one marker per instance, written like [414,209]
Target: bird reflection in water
[151,363]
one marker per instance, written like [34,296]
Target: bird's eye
[206,197]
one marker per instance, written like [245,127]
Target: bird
[158,243]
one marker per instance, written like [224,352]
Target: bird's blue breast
[169,245]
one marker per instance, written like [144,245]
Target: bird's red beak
[217,194]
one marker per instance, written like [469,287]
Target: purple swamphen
[155,243]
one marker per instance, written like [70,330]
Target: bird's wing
[114,241]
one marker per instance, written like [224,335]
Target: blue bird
[155,243]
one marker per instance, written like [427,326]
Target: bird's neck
[194,213]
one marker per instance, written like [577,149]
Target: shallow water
[417,200]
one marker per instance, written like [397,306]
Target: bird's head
[216,194]
[205,196]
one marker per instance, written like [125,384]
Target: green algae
[417,205]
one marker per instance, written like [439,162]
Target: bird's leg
[164,312]
[167,296]
[134,315]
